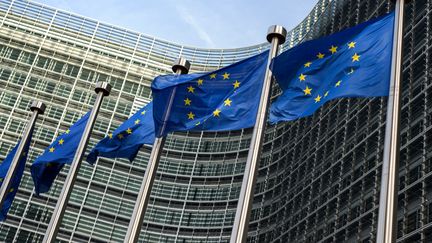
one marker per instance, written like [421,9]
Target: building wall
[55,56]
[319,177]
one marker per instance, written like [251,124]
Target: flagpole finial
[38,106]
[181,64]
[104,87]
[277,31]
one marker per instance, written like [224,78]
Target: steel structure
[319,177]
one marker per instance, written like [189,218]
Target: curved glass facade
[319,177]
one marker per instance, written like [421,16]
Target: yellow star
[110,135]
[302,77]
[51,149]
[143,112]
[187,101]
[61,141]
[11,190]
[317,99]
[320,55]
[351,44]
[120,136]
[67,131]
[191,115]
[1,179]
[213,76]
[307,91]
[333,49]
[226,75]
[227,102]
[356,58]
[137,121]
[338,83]
[200,81]
[197,124]
[129,131]
[191,89]
[326,94]
[308,64]
[236,84]
[216,112]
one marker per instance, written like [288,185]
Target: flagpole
[102,89]
[180,66]
[37,108]
[276,35]
[387,213]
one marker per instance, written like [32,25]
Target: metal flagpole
[37,108]
[102,89]
[387,214]
[276,35]
[180,66]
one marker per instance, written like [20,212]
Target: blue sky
[198,23]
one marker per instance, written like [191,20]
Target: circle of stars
[191,90]
[333,49]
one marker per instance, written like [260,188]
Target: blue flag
[4,167]
[352,63]
[128,138]
[62,151]
[226,99]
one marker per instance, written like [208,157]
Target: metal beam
[276,35]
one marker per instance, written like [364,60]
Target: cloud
[190,19]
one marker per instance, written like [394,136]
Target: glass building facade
[319,177]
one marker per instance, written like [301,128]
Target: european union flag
[128,138]
[4,167]
[62,151]
[352,63]
[226,99]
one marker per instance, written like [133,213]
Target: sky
[197,23]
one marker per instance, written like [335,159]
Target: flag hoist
[102,89]
[276,35]
[180,66]
[375,71]
[387,213]
[37,108]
